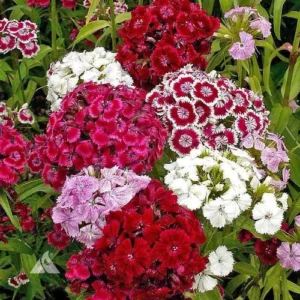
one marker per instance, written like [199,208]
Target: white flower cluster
[220,264]
[98,66]
[223,184]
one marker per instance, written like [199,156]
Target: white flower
[243,200]
[204,282]
[221,261]
[98,66]
[268,215]
[180,186]
[219,212]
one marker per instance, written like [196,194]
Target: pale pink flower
[297,221]
[253,141]
[289,256]
[238,11]
[293,105]
[279,142]
[281,184]
[244,49]
[89,234]
[272,158]
[263,25]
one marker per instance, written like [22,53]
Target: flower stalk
[293,60]
[113,25]
[53,29]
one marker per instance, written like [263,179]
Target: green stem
[293,60]
[53,29]
[16,66]
[141,2]
[240,73]
[113,25]
[21,85]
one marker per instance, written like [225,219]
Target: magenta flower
[272,157]
[244,49]
[289,256]
[263,25]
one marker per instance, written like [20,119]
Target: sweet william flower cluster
[18,35]
[223,185]
[85,201]
[98,66]
[98,125]
[163,37]
[149,250]
[197,107]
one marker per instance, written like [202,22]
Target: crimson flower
[163,37]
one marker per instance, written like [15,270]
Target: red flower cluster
[58,238]
[20,35]
[199,107]
[12,155]
[163,37]
[69,4]
[98,125]
[149,250]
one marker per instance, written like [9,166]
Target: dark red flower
[69,4]
[266,250]
[184,140]
[163,37]
[58,238]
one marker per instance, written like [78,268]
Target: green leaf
[272,276]
[295,88]
[226,5]
[280,117]
[123,17]
[293,15]
[92,9]
[235,282]
[210,295]
[277,12]
[208,5]
[89,29]
[23,187]
[246,269]
[5,205]
[295,170]
[254,293]
[39,188]
[28,262]
[255,85]
[295,288]
[16,245]
[30,90]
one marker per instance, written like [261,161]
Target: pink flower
[262,25]
[271,158]
[25,116]
[244,49]
[281,184]
[297,221]
[239,11]
[289,256]
[253,141]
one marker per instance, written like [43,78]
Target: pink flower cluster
[20,35]
[163,37]
[12,155]
[69,4]
[98,125]
[272,155]
[86,200]
[197,107]
[257,26]
[119,8]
